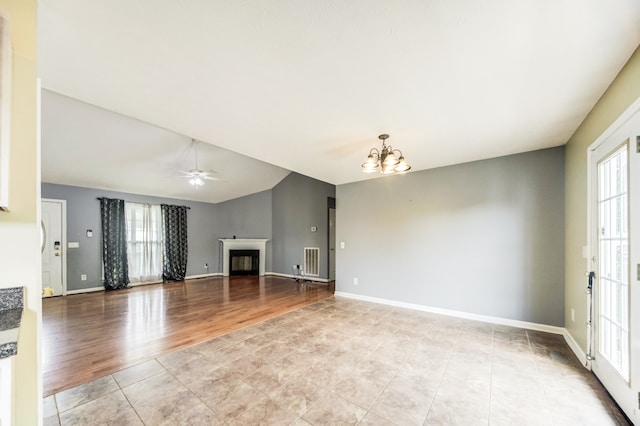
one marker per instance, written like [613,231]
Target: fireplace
[229,244]
[244,262]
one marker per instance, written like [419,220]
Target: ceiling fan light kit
[387,160]
[196,182]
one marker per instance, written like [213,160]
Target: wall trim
[192,277]
[305,278]
[458,314]
[63,229]
[577,350]
[85,290]
[628,113]
[136,284]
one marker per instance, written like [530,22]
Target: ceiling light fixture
[196,181]
[388,160]
[196,174]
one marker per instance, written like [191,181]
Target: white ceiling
[308,85]
[83,145]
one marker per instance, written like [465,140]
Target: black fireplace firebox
[244,262]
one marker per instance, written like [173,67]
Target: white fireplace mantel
[243,244]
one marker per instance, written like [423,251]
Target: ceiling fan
[196,176]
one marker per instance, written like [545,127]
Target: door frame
[331,232]
[63,241]
[592,249]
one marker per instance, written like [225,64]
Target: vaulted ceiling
[309,85]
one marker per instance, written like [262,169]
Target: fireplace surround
[259,244]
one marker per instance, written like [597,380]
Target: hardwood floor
[87,336]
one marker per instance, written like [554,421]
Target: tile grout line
[127,399]
[368,409]
[444,372]
[493,336]
[539,378]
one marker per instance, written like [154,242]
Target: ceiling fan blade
[209,177]
[196,172]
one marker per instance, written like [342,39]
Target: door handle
[57,254]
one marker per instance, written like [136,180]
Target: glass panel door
[615,258]
[613,273]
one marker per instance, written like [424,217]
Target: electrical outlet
[355,281]
[83,277]
[573,315]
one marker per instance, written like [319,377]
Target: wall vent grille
[312,261]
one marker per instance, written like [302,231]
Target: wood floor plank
[90,335]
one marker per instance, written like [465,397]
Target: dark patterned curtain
[114,244]
[174,227]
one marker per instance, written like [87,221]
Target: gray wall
[485,237]
[300,202]
[83,212]
[246,217]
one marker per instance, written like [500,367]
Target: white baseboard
[304,277]
[214,274]
[145,283]
[458,314]
[84,290]
[191,277]
[577,350]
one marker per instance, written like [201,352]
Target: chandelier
[387,160]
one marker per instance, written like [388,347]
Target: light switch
[89,233]
[73,245]
[341,244]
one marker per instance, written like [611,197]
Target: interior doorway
[332,238]
[53,247]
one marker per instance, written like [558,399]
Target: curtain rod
[186,207]
[163,204]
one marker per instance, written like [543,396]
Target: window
[144,241]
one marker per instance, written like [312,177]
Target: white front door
[53,251]
[615,249]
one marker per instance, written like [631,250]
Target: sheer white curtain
[144,242]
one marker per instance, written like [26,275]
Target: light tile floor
[341,361]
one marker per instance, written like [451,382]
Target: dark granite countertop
[11,305]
